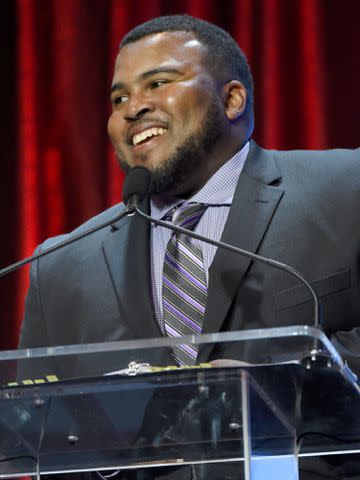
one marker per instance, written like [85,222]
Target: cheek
[188,103]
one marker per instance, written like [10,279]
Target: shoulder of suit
[349,155]
[102,217]
[340,161]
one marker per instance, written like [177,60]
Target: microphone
[132,201]
[136,186]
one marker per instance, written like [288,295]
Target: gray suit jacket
[300,208]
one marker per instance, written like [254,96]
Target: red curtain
[58,167]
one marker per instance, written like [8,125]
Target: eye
[119,99]
[158,83]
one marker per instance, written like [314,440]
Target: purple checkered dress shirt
[218,194]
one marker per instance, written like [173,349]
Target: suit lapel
[127,255]
[255,202]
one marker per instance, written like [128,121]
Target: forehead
[177,49]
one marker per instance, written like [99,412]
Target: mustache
[146,119]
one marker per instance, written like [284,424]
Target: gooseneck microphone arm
[133,207]
[135,188]
[75,238]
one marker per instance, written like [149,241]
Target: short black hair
[223,53]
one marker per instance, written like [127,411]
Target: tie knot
[188,216]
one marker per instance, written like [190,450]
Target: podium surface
[117,405]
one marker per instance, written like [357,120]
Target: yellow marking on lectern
[36,381]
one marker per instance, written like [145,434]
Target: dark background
[57,167]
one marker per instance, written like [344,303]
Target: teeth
[150,132]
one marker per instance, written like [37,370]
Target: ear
[235,99]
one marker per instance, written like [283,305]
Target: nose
[137,107]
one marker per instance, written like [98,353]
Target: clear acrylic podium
[283,392]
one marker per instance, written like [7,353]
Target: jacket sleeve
[33,331]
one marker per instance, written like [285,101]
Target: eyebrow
[145,75]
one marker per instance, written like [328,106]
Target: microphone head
[137,183]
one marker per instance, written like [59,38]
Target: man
[182,98]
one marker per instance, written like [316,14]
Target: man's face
[167,115]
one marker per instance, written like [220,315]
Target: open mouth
[147,135]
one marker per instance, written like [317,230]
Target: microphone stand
[77,237]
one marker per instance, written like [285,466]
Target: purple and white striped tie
[184,285]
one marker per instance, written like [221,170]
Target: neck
[206,168]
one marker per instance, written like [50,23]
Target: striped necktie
[184,285]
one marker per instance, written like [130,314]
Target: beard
[177,169]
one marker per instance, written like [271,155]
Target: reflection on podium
[280,394]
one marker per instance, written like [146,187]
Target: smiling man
[182,106]
[173,113]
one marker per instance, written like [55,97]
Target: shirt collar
[218,190]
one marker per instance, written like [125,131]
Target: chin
[155,164]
